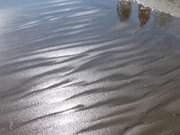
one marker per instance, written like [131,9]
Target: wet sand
[88,67]
[168,6]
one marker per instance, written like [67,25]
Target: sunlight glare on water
[88,67]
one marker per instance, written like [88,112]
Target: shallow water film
[88,67]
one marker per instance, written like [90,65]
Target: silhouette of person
[124,9]
[144,15]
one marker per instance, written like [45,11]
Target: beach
[88,67]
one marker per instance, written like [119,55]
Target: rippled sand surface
[88,67]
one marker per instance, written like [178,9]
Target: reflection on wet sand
[70,67]
[125,9]
[144,14]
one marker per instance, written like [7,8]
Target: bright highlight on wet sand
[89,67]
